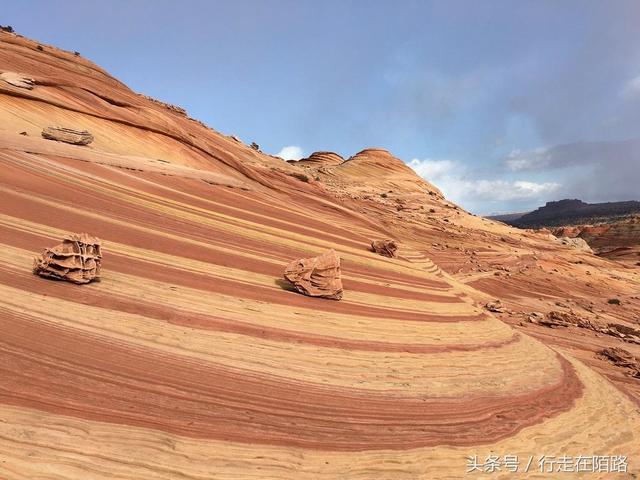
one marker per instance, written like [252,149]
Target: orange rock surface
[191,359]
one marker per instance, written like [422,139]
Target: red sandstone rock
[495,306]
[17,80]
[67,135]
[317,159]
[386,248]
[317,276]
[76,259]
[622,358]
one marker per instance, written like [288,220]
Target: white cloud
[290,152]
[632,88]
[461,187]
[518,160]
[432,168]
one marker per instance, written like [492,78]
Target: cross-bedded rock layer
[191,359]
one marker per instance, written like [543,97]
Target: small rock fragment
[77,259]
[67,135]
[495,306]
[317,276]
[535,317]
[386,248]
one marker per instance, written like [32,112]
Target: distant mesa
[508,218]
[77,260]
[317,276]
[67,135]
[570,212]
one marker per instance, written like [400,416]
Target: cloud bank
[594,171]
[290,152]
[464,187]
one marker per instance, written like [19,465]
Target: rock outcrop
[319,159]
[317,276]
[622,358]
[67,135]
[386,248]
[616,240]
[577,243]
[17,80]
[77,259]
[495,306]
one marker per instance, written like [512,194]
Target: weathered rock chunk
[386,248]
[622,358]
[17,80]
[317,276]
[67,135]
[577,243]
[77,260]
[495,306]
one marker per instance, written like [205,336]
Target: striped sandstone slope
[192,359]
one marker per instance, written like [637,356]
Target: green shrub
[301,176]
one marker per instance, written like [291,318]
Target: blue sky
[502,104]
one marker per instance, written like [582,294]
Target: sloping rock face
[67,135]
[386,248]
[17,80]
[317,276]
[77,260]
[378,168]
[399,380]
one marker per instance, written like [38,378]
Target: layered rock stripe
[191,358]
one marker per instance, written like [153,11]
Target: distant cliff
[572,212]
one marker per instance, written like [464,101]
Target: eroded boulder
[386,248]
[17,80]
[317,276]
[622,358]
[77,259]
[67,135]
[495,307]
[577,243]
